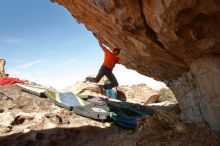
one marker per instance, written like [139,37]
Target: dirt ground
[27,120]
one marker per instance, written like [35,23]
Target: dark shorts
[108,73]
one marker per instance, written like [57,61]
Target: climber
[110,59]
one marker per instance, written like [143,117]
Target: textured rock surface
[28,120]
[198,90]
[2,68]
[162,38]
[140,94]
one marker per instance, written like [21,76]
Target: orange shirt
[110,59]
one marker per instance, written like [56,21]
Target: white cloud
[123,75]
[48,53]
[67,44]
[131,77]
[37,77]
[40,72]
[30,64]
[14,60]
[13,72]
[69,61]
[44,78]
[11,41]
[58,83]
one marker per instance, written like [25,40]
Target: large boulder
[177,42]
[140,94]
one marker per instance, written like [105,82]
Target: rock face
[177,42]
[140,94]
[198,90]
[2,68]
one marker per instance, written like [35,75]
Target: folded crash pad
[123,114]
[79,106]
[36,90]
[124,121]
[93,111]
[66,100]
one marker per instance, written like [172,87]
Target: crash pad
[124,121]
[66,100]
[36,90]
[93,111]
[79,106]
[93,107]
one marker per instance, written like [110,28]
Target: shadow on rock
[86,135]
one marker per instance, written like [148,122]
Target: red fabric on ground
[8,81]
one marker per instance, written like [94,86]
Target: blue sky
[42,42]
